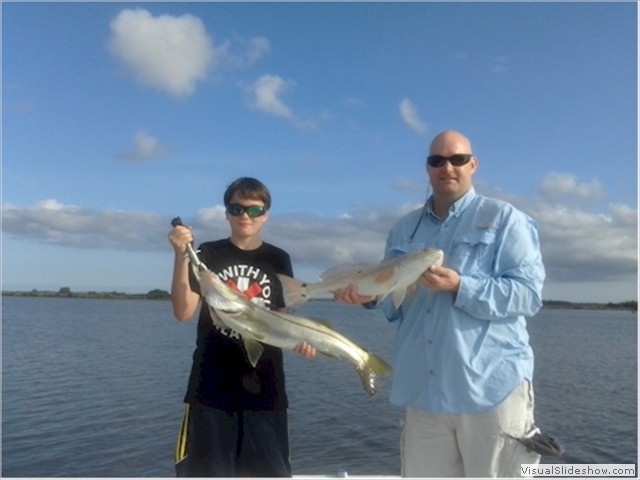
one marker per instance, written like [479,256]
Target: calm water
[93,388]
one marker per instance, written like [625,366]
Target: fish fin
[378,365]
[540,443]
[412,290]
[295,292]
[373,367]
[253,326]
[254,350]
[398,296]
[217,321]
[340,270]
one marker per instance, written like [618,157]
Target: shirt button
[430,372]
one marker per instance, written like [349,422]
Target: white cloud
[67,225]
[211,216]
[243,53]
[409,113]
[145,148]
[169,53]
[265,96]
[583,239]
[580,247]
[54,205]
[256,48]
[557,186]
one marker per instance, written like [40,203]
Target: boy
[236,415]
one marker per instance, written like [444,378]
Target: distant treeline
[65,292]
[630,305]
[157,294]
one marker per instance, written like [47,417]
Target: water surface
[94,388]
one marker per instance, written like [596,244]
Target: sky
[117,117]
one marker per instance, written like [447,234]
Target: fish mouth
[227,308]
[227,311]
[223,305]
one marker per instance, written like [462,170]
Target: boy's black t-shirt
[221,375]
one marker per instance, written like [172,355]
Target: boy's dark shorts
[217,443]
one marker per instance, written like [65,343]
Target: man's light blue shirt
[466,352]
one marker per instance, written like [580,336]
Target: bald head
[449,143]
[450,182]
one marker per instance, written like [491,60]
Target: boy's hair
[249,189]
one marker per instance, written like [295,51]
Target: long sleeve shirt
[467,351]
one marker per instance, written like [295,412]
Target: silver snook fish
[258,325]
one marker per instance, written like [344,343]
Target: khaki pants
[470,445]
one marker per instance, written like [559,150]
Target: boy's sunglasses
[457,160]
[236,210]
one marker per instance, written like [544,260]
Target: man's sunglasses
[236,210]
[457,160]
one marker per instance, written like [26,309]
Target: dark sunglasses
[253,211]
[457,160]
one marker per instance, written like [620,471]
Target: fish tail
[372,368]
[295,292]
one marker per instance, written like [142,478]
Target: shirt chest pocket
[399,249]
[473,251]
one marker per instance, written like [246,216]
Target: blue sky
[119,116]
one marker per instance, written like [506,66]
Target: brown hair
[250,189]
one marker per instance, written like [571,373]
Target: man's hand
[350,295]
[441,279]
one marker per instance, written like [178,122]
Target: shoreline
[157,294]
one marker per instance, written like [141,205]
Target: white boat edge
[346,475]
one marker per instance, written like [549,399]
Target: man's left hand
[441,279]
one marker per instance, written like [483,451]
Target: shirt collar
[458,207]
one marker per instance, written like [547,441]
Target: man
[235,420]
[462,363]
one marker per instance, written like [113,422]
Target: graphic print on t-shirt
[251,282]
